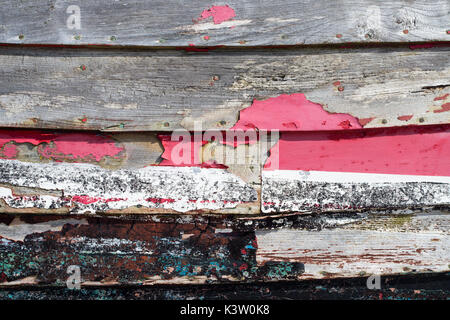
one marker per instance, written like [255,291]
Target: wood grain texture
[380,245]
[242,23]
[149,250]
[126,90]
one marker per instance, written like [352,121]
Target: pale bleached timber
[378,245]
[164,90]
[243,23]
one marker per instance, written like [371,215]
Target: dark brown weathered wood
[122,90]
[408,286]
[243,23]
[37,250]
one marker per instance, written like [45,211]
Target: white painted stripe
[349,177]
[304,191]
[180,188]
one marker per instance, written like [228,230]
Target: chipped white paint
[128,106]
[347,253]
[88,188]
[112,246]
[225,230]
[350,177]
[297,190]
[199,27]
[280,20]
[17,230]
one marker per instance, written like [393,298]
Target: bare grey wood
[126,90]
[246,22]
[376,245]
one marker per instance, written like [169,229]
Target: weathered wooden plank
[382,169]
[232,23]
[381,245]
[123,90]
[37,250]
[76,172]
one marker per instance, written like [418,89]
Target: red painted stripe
[420,150]
[59,146]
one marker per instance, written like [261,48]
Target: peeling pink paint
[218,13]
[411,150]
[85,199]
[445,107]
[445,96]
[193,146]
[365,121]
[59,146]
[89,200]
[78,146]
[160,200]
[9,151]
[405,118]
[292,113]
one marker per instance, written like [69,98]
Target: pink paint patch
[85,199]
[365,121]
[292,113]
[160,200]
[445,96]
[174,148]
[89,200]
[79,146]
[59,146]
[218,13]
[9,151]
[411,150]
[445,107]
[405,118]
